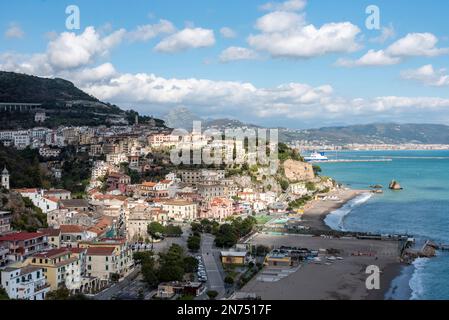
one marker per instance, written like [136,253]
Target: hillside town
[136,209]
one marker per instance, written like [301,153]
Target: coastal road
[211,259]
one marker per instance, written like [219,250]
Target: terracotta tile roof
[71,229]
[100,251]
[21,236]
[74,203]
[149,184]
[77,250]
[51,232]
[53,199]
[26,190]
[52,253]
[56,191]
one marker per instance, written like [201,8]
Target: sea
[421,209]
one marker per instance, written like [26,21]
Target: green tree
[229,280]
[155,231]
[3,294]
[149,275]
[212,294]
[173,231]
[194,243]
[190,264]
[60,294]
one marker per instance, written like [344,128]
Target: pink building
[218,209]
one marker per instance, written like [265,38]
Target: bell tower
[5,179]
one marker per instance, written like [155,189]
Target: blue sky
[286,65]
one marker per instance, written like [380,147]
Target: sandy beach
[317,210]
[337,280]
[340,280]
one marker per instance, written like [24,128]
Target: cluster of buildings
[35,263]
[88,242]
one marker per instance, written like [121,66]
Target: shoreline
[317,211]
[315,216]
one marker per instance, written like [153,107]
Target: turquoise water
[421,209]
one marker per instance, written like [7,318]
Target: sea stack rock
[394,185]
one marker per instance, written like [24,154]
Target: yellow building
[275,259]
[233,257]
[60,268]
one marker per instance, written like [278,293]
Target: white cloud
[66,51]
[279,21]
[371,58]
[293,101]
[291,38]
[387,33]
[290,5]
[412,45]
[99,74]
[188,38]
[150,31]
[237,53]
[428,76]
[417,45]
[227,33]
[14,32]
[72,51]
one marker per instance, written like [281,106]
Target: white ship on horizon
[316,156]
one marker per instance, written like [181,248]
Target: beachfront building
[25,283]
[298,189]
[278,259]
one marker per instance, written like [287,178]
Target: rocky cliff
[298,171]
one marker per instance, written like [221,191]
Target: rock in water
[394,185]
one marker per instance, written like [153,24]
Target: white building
[38,198]
[49,153]
[25,283]
[40,117]
[21,139]
[181,210]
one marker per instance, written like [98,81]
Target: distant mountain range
[382,133]
[183,118]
